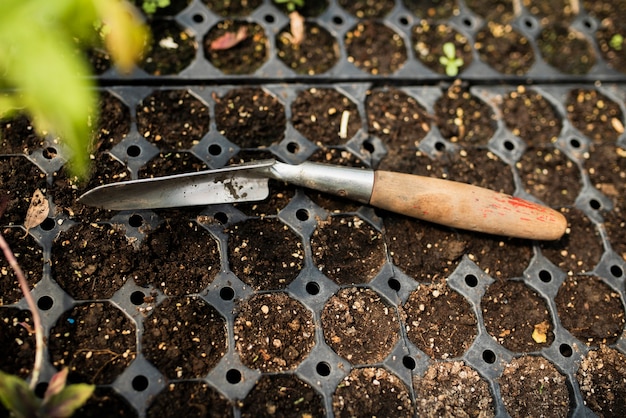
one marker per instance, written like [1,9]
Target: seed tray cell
[517,46]
[321,305]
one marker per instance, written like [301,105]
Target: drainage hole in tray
[616,271]
[529,23]
[545,276]
[137,297]
[40,389]
[312,288]
[293,147]
[45,303]
[467,22]
[233,376]
[48,224]
[302,215]
[322,368]
[269,18]
[49,153]
[221,217]
[394,284]
[566,350]
[135,221]
[227,293]
[198,18]
[215,149]
[403,20]
[337,20]
[509,145]
[409,362]
[440,146]
[368,146]
[595,204]
[575,143]
[140,383]
[489,356]
[133,151]
[471,280]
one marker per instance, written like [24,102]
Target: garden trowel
[445,202]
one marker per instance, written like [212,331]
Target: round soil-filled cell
[532,383]
[500,257]
[551,11]
[114,122]
[359,326]
[375,48]
[580,249]
[595,115]
[265,253]
[92,261]
[171,163]
[615,224]
[590,310]
[428,39]
[171,49]
[452,389]
[18,135]
[236,46]
[106,402]
[172,119]
[540,168]
[517,316]
[602,381]
[504,49]
[531,117]
[439,321]
[606,167]
[250,117]
[367,9]
[193,399]
[318,114]
[422,250]
[432,9]
[463,118]
[19,179]
[29,256]
[316,53]
[610,39]
[17,344]
[273,332]
[490,10]
[371,391]
[179,258]
[184,338]
[480,167]
[282,395]
[566,49]
[96,341]
[232,7]
[603,9]
[396,118]
[347,249]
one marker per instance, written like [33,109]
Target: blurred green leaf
[17,397]
[64,403]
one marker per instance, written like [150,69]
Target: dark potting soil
[601,10]
[113,124]
[606,167]
[317,53]
[610,39]
[250,117]
[532,383]
[317,114]
[29,256]
[16,342]
[282,396]
[367,9]
[602,381]
[106,402]
[566,49]
[171,48]
[428,39]
[375,48]
[18,135]
[452,389]
[359,326]
[432,9]
[578,302]
[273,332]
[19,179]
[243,58]
[191,399]
[595,115]
[517,316]
[173,119]
[531,117]
[96,341]
[171,163]
[371,391]
[184,338]
[347,249]
[232,7]
[439,321]
[251,259]
[504,49]
[493,10]
[463,118]
[551,11]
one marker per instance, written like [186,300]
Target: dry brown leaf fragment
[37,211]
[229,39]
[296,24]
[540,333]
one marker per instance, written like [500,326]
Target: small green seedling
[291,5]
[59,401]
[616,42]
[151,6]
[450,60]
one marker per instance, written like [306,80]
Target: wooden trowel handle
[464,206]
